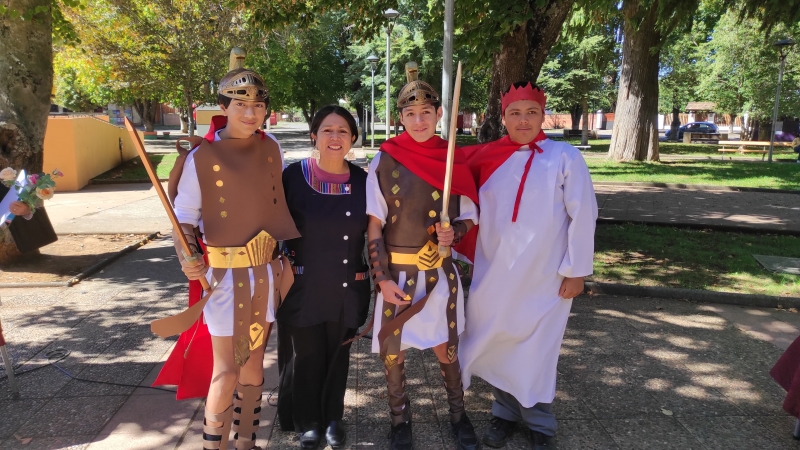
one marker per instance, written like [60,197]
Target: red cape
[428,159]
[786,372]
[483,160]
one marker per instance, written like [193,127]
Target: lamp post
[373,64]
[392,15]
[783,50]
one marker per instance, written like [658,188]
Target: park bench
[569,133]
[741,147]
[706,138]
[583,147]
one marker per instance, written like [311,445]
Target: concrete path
[634,373]
[752,210]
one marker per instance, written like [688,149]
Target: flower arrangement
[35,189]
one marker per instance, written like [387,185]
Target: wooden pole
[444,217]
[151,172]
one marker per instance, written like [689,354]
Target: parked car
[695,127]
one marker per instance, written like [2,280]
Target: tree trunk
[635,135]
[184,120]
[190,122]
[521,56]
[146,110]
[508,66]
[26,81]
[575,116]
[676,124]
[585,125]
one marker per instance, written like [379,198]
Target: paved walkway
[634,373]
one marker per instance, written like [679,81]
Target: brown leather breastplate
[240,182]
[414,205]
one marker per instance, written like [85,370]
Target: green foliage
[580,64]
[741,69]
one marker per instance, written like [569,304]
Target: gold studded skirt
[434,315]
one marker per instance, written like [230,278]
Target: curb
[701,226]
[694,295]
[88,272]
[698,187]
[116,181]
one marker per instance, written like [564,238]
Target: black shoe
[464,433]
[498,433]
[400,437]
[310,439]
[542,441]
[335,434]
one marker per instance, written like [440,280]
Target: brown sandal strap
[215,438]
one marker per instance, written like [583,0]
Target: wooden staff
[151,172]
[444,217]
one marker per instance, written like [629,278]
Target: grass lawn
[710,260]
[721,173]
[133,169]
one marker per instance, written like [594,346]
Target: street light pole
[783,48]
[373,63]
[390,14]
[447,67]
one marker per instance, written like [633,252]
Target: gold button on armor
[241,305]
[261,280]
[396,174]
[222,199]
[241,323]
[216,168]
[269,159]
[223,214]
[397,203]
[452,324]
[256,313]
[220,183]
[435,195]
[396,332]
[395,189]
[452,276]
[452,305]
[241,284]
[394,218]
[431,213]
[388,312]
[453,290]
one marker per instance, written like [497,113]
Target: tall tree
[171,49]
[647,25]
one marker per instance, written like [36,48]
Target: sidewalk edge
[694,295]
[698,187]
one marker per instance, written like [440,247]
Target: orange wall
[82,148]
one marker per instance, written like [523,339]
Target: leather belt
[259,251]
[425,258]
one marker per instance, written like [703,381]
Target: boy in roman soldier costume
[535,244]
[230,188]
[420,303]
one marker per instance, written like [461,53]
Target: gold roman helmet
[416,92]
[243,84]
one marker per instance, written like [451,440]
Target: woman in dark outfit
[329,299]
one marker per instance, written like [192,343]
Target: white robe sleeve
[469,211]
[188,202]
[376,203]
[581,205]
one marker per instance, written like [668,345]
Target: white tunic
[515,318]
[218,312]
[428,328]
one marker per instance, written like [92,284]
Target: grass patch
[680,258]
[721,173]
[133,169]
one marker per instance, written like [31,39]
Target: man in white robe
[535,244]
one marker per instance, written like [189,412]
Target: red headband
[527,92]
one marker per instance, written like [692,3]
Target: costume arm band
[460,229]
[188,231]
[378,260]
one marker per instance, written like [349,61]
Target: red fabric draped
[428,159]
[191,362]
[483,160]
